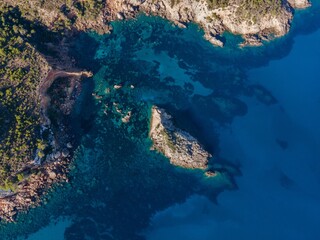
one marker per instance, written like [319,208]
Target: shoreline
[213,21]
[255,24]
[30,191]
[55,166]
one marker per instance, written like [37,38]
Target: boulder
[211,173]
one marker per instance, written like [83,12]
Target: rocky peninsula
[178,146]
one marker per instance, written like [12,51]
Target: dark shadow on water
[83,49]
[84,113]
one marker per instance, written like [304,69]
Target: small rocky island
[178,146]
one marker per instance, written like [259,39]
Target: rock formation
[299,3]
[178,146]
[30,191]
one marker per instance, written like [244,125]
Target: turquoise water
[255,109]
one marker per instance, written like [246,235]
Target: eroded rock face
[180,147]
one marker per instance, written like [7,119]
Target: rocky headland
[178,146]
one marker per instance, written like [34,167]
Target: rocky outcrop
[178,146]
[299,3]
[30,191]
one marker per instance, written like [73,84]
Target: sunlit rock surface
[180,147]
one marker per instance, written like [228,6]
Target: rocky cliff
[178,146]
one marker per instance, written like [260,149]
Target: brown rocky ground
[178,146]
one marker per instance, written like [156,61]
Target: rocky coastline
[234,18]
[255,24]
[30,192]
[52,168]
[178,146]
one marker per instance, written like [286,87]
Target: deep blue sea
[257,110]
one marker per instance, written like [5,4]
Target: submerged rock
[126,118]
[211,173]
[57,155]
[299,3]
[65,153]
[180,147]
[117,86]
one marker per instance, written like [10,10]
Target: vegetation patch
[19,106]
